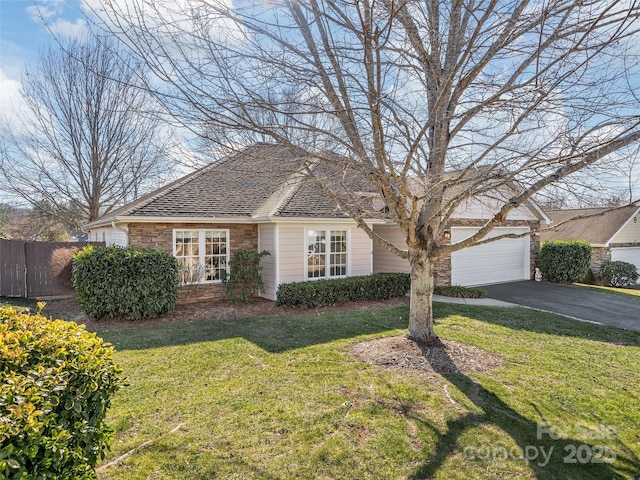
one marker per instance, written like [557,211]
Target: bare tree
[31,225]
[86,139]
[433,102]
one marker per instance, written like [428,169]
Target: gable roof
[598,229]
[262,180]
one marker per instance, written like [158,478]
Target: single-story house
[238,202]
[614,235]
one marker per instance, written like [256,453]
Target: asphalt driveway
[608,309]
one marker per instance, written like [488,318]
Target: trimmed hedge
[619,274]
[318,293]
[57,382]
[565,261]
[116,282]
[459,291]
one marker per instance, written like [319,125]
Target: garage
[626,254]
[504,260]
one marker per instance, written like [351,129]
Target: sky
[23,35]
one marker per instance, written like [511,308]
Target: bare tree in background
[434,102]
[87,139]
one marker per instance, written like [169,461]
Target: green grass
[282,398]
[627,292]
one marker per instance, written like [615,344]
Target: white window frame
[327,253]
[202,235]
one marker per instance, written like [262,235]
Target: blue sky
[22,34]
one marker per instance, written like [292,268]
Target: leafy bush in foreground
[57,381]
[565,261]
[116,282]
[317,293]
[619,274]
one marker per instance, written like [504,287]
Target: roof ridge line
[291,185]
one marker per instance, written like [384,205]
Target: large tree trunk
[421,311]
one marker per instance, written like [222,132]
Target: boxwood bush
[618,274]
[116,282]
[57,382]
[565,261]
[318,293]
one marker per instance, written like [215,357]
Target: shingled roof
[262,180]
[598,228]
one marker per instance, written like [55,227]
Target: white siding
[383,259]
[485,207]
[266,241]
[291,256]
[361,252]
[630,233]
[110,236]
[628,254]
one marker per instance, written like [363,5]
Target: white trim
[327,252]
[637,212]
[202,249]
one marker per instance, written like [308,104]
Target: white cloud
[10,99]
[77,30]
[45,9]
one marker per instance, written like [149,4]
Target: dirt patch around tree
[400,353]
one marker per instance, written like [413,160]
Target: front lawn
[627,292]
[283,398]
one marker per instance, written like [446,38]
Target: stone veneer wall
[599,255]
[160,236]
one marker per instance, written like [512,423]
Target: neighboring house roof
[599,228]
[261,181]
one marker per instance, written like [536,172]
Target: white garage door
[504,260]
[628,254]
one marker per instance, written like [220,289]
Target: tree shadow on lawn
[273,334]
[548,451]
[283,333]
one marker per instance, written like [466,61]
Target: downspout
[124,229]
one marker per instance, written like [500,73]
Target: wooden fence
[25,268]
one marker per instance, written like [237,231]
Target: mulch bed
[400,353]
[69,309]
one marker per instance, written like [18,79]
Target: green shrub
[116,282]
[565,261]
[459,291]
[618,274]
[245,281]
[318,293]
[57,384]
[589,278]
